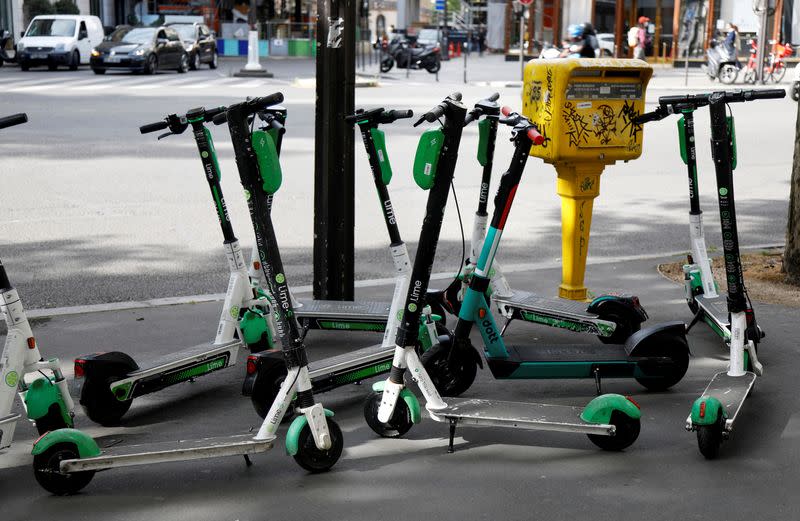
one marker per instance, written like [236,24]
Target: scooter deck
[556,361]
[350,367]
[8,424]
[188,356]
[549,306]
[181,450]
[568,352]
[336,314]
[731,391]
[532,416]
[717,309]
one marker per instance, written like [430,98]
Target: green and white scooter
[45,399]
[66,460]
[611,421]
[731,316]
[107,383]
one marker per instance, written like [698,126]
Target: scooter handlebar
[154,127]
[220,118]
[393,115]
[257,104]
[437,111]
[535,137]
[14,119]
[733,96]
[479,110]
[656,115]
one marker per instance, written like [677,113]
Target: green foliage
[38,7]
[66,7]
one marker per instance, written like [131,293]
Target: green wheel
[47,473]
[452,375]
[399,424]
[313,459]
[709,438]
[100,404]
[627,432]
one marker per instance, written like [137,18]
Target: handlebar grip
[277,125]
[256,104]
[535,137]
[400,114]
[470,118]
[14,119]
[764,94]
[455,96]
[494,97]
[153,127]
[213,113]
[648,117]
[220,118]
[505,111]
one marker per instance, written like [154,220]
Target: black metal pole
[334,194]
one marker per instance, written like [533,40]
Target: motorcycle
[722,62]
[795,90]
[5,39]
[400,52]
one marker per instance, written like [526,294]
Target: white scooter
[46,399]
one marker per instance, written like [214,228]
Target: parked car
[141,49]
[55,40]
[200,43]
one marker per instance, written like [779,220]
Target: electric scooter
[611,421]
[714,414]
[266,370]
[108,382]
[46,400]
[66,460]
[613,318]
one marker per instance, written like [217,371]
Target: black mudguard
[628,302]
[110,364]
[464,346]
[639,342]
[263,360]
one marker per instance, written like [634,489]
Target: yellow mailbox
[584,108]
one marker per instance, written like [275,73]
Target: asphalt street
[94,212]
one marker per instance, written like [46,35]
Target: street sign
[440,5]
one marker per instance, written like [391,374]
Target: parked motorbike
[400,52]
[721,62]
[5,40]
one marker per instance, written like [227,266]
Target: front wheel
[316,460]
[627,431]
[434,67]
[399,424]
[151,65]
[74,61]
[452,373]
[195,61]
[709,438]
[387,64]
[183,65]
[100,404]
[750,76]
[728,74]
[46,470]
[214,61]
[778,73]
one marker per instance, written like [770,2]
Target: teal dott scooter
[611,421]
[714,414]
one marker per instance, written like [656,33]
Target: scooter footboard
[7,425]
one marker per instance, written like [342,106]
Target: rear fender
[293,434]
[627,302]
[112,363]
[599,410]
[706,411]
[264,361]
[87,447]
[637,343]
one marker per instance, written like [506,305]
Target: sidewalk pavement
[494,471]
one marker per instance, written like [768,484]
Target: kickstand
[247,460]
[453,423]
[597,380]
[505,326]
[695,320]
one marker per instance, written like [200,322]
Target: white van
[59,39]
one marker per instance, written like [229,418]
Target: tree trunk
[791,254]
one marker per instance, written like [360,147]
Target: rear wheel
[750,76]
[433,67]
[627,431]
[627,320]
[100,404]
[314,459]
[268,384]
[778,72]
[387,64]
[47,472]
[214,61]
[151,65]
[451,375]
[194,63]
[663,345]
[51,421]
[183,64]
[399,424]
[709,438]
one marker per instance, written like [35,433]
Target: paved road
[93,212]
[494,474]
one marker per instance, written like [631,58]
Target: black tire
[434,67]
[194,61]
[399,424]
[313,459]
[795,91]
[51,421]
[728,74]
[100,404]
[709,438]
[750,76]
[450,375]
[151,64]
[214,61]
[52,67]
[74,60]
[387,64]
[627,432]
[670,346]
[24,67]
[99,71]
[46,470]
[266,389]
[183,65]
[627,320]
[778,73]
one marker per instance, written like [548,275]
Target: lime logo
[247,195]
[12,378]
[235,312]
[204,154]
[400,315]
[723,191]
[412,307]
[279,278]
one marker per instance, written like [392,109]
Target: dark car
[200,43]
[140,49]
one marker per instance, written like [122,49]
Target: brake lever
[166,134]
